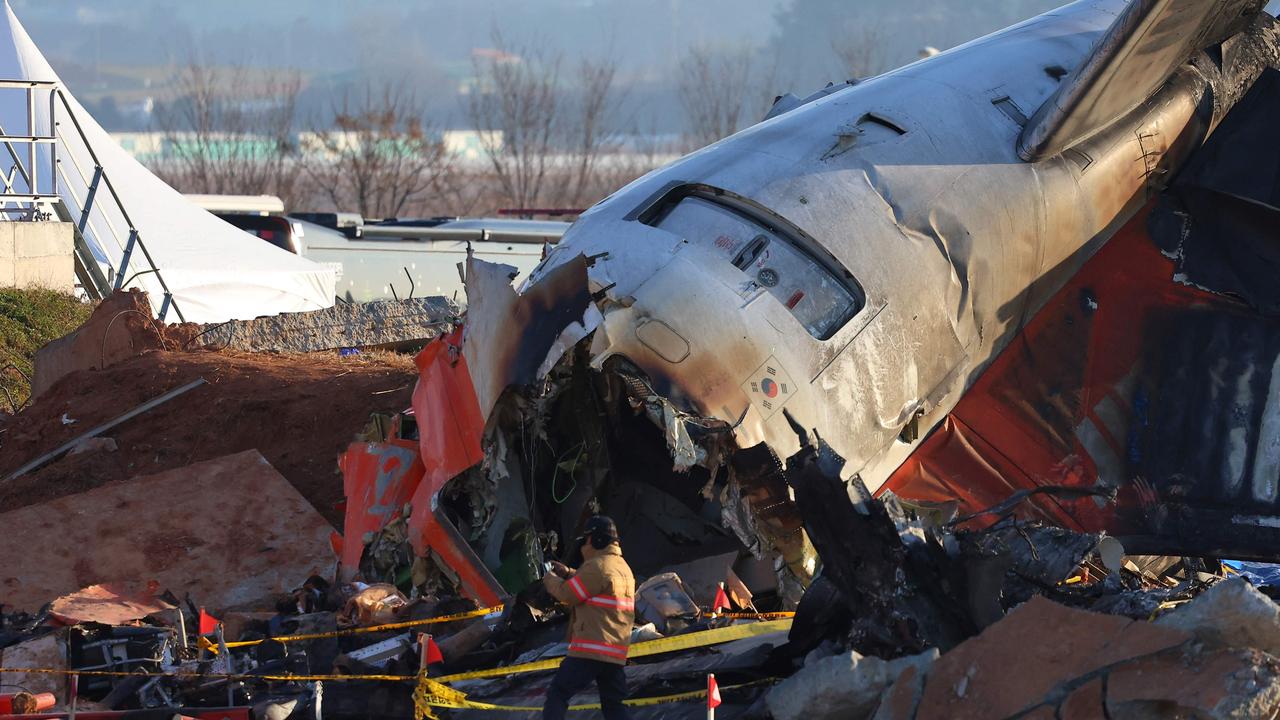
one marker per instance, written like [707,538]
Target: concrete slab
[37,254]
[46,652]
[232,532]
[41,239]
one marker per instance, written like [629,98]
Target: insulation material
[216,272]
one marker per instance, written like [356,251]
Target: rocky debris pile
[1213,657]
[916,619]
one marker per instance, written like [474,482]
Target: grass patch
[29,319]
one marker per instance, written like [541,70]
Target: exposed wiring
[582,449]
[107,332]
[12,404]
[219,326]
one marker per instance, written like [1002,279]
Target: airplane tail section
[1147,42]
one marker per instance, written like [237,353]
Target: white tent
[214,271]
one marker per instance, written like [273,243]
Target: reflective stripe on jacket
[601,598]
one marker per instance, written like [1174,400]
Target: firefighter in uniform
[601,598]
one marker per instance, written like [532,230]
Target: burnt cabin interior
[584,444]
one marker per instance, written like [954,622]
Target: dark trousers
[574,675]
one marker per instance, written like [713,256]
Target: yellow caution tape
[286,677]
[703,638]
[371,629]
[432,694]
[759,615]
[481,612]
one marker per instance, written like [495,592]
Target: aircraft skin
[908,198]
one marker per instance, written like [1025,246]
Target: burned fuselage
[860,259]
[857,260]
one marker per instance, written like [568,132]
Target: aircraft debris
[1023,462]
[108,604]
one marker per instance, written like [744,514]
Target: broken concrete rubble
[1231,613]
[46,651]
[383,324]
[845,685]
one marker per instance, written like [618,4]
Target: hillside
[28,320]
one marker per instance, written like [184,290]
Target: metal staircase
[40,188]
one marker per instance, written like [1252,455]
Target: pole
[74,688]
[713,696]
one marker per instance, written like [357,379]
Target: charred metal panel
[1210,436]
[1221,218]
[508,335]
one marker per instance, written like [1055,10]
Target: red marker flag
[713,693]
[208,623]
[430,651]
[722,600]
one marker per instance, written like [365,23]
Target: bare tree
[590,131]
[722,92]
[516,108]
[229,130]
[378,155]
[545,143]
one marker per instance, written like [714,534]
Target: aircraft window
[772,261]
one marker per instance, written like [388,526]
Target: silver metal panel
[1138,54]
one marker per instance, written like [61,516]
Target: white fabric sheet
[215,271]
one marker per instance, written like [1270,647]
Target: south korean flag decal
[769,388]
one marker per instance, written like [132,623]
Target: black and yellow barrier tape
[280,677]
[435,692]
[432,694]
[481,612]
[703,638]
[759,615]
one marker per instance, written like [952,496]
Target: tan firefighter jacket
[601,598]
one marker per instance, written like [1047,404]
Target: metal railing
[30,199]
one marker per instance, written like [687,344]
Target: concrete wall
[37,254]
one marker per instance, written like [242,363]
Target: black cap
[601,531]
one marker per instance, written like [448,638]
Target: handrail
[124,212]
[85,207]
[80,206]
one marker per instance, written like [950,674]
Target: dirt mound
[120,327]
[299,411]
